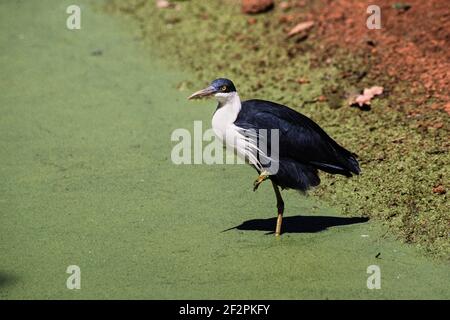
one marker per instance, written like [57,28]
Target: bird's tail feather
[354,164]
[349,161]
[346,163]
[347,166]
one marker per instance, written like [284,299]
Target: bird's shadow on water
[298,224]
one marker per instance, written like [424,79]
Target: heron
[303,146]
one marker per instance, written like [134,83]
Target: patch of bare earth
[412,44]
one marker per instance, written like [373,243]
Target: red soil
[413,45]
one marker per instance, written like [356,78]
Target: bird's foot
[262,177]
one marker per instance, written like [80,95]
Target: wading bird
[303,147]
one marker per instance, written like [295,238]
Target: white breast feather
[243,142]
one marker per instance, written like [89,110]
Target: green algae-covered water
[86,179]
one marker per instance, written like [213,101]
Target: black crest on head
[223,85]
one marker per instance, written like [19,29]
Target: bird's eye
[223,88]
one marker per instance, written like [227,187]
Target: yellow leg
[278,228]
[280,207]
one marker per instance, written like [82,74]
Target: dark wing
[301,140]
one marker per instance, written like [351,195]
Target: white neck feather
[226,113]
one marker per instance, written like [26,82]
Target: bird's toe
[262,177]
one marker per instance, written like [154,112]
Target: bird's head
[222,89]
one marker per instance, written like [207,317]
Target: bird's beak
[203,93]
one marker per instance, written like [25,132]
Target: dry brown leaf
[256,6]
[366,97]
[285,5]
[374,91]
[251,21]
[447,107]
[439,189]
[438,125]
[302,80]
[162,4]
[303,26]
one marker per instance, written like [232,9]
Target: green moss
[401,161]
